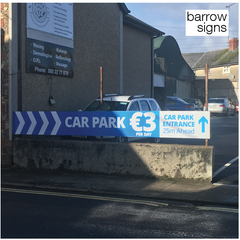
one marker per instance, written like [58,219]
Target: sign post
[101,93]
[206,94]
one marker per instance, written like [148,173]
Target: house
[223,72]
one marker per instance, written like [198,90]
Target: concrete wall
[139,159]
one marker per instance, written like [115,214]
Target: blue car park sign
[163,124]
[127,124]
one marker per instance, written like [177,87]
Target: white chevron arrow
[57,125]
[33,123]
[21,124]
[45,123]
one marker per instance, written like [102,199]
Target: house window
[226,69]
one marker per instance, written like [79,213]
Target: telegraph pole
[206,94]
[229,18]
[13,65]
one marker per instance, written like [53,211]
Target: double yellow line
[111,199]
[92,197]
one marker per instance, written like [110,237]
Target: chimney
[233,43]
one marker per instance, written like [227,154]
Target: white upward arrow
[45,123]
[57,125]
[33,123]
[21,124]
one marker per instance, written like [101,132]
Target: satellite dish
[231,76]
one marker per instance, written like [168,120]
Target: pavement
[196,192]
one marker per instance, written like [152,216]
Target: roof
[168,60]
[133,22]
[217,58]
[123,8]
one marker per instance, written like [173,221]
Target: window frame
[226,69]
[133,102]
[149,108]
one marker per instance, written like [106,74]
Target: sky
[170,19]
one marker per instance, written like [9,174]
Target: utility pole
[229,6]
[101,89]
[229,18]
[13,65]
[101,94]
[206,94]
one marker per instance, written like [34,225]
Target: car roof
[119,97]
[175,98]
[191,99]
[218,98]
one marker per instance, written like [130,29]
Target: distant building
[223,72]
[172,75]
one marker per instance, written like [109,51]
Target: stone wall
[136,159]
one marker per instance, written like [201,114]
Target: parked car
[117,102]
[178,104]
[220,106]
[197,102]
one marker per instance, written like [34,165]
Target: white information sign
[185,124]
[53,18]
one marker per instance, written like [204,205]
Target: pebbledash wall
[163,161]
[96,44]
[137,59]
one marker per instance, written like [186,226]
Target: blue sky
[170,18]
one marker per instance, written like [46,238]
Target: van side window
[153,105]
[134,107]
[144,105]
